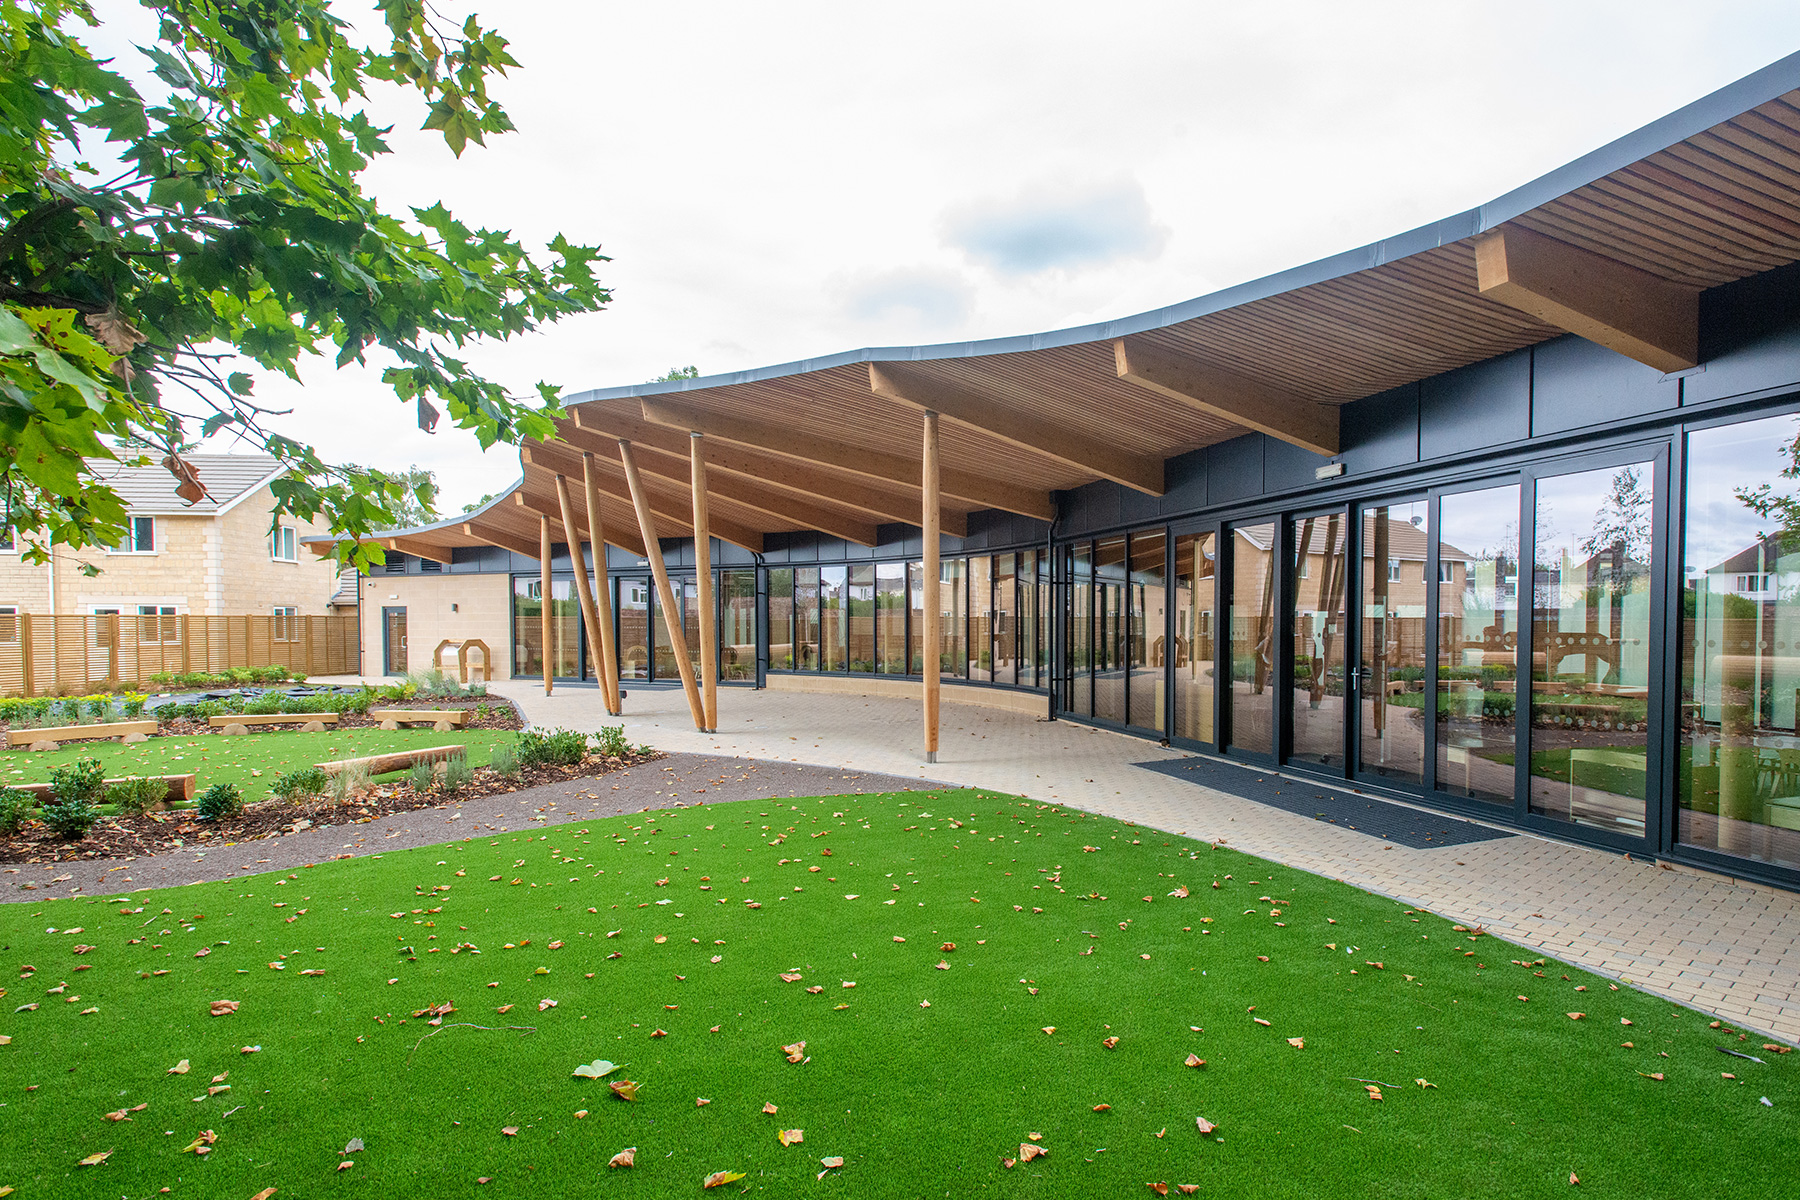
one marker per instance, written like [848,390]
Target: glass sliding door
[861,603]
[981,618]
[1319,563]
[1478,643]
[890,618]
[1738,771]
[1006,624]
[1396,543]
[632,600]
[1109,629]
[1194,597]
[1252,637]
[737,625]
[1147,609]
[781,619]
[1590,644]
[689,591]
[834,627]
[806,618]
[1080,696]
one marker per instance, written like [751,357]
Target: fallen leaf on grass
[770,1108]
[1030,1150]
[790,1137]
[1425,1083]
[1161,1189]
[624,1158]
[221,1008]
[1298,1043]
[346,1164]
[833,1162]
[1194,1060]
[1204,1125]
[180,1068]
[1050,1029]
[510,1130]
[313,971]
[1656,1075]
[1259,1020]
[1102,1108]
[1573,1180]
[659,1033]
[796,1052]
[624,1089]
[94,1160]
[721,1178]
[1576,1016]
[544,1004]
[353,1146]
[202,1143]
[264,1194]
[1110,1042]
[791,977]
[216,1088]
[220,1077]
[597,1069]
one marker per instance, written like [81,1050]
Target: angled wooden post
[544,596]
[665,594]
[934,616]
[609,683]
[709,632]
[584,593]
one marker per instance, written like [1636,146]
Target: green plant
[15,809]
[302,784]
[422,776]
[348,781]
[562,747]
[457,773]
[504,758]
[136,795]
[612,741]
[75,788]
[132,706]
[219,801]
[263,705]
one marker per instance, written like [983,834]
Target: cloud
[1057,224]
[923,297]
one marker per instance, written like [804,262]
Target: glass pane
[915,590]
[1590,647]
[632,601]
[981,617]
[1029,618]
[1045,617]
[1149,605]
[834,626]
[1006,624]
[528,630]
[1319,547]
[806,618]
[1195,583]
[1080,698]
[953,598]
[1395,540]
[781,618]
[737,625]
[890,618]
[862,618]
[1109,629]
[1478,642]
[1253,637]
[662,652]
[1739,767]
[689,590]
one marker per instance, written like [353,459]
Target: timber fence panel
[72,655]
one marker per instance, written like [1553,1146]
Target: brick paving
[1728,946]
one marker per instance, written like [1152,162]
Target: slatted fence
[73,655]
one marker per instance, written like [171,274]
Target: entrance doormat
[1410,827]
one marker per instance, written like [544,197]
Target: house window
[1446,571]
[1752,583]
[140,537]
[9,622]
[287,623]
[282,547]
[1393,570]
[157,624]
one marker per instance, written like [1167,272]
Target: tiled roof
[151,490]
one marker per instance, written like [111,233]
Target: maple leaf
[721,1178]
[790,1137]
[1031,1150]
[624,1089]
[624,1158]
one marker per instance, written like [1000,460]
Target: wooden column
[709,630]
[664,593]
[544,596]
[934,616]
[609,682]
[584,593]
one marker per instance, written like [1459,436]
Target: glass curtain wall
[1031,635]
[1006,619]
[834,624]
[631,600]
[737,625]
[1478,643]
[890,618]
[1395,558]
[1196,583]
[1079,697]
[981,619]
[1252,645]
[1590,647]
[953,600]
[806,618]
[1109,629]
[781,619]
[528,630]
[861,604]
[1738,769]
[1319,549]
[1148,604]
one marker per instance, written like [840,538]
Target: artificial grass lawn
[252,761]
[917,1099]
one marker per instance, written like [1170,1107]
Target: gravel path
[676,781]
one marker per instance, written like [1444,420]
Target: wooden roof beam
[980,490]
[1632,312]
[598,430]
[417,548]
[669,502]
[505,541]
[1204,388]
[538,502]
[793,512]
[911,386]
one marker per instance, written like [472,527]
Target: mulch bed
[156,833]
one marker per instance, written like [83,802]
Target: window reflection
[1196,581]
[1478,643]
[1252,645]
[1149,639]
[1109,629]
[1739,764]
[1590,647]
[862,618]
[1396,541]
[737,625]
[890,618]
[1319,546]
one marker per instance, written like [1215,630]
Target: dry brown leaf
[222,1008]
[1204,1125]
[656,1033]
[1110,1042]
[834,1161]
[1050,1029]
[624,1089]
[791,977]
[1194,1060]
[264,1194]
[795,1052]
[510,1130]
[1259,1020]
[790,1137]
[1577,1016]
[1573,1180]
[1161,1189]
[216,1088]
[1187,1189]
[721,1178]
[1102,1108]
[770,1108]
[546,1004]
[220,1077]
[1008,1163]
[1298,1043]
[814,990]
[1656,1075]
[624,1158]
[1031,1150]
[346,1164]
[94,1160]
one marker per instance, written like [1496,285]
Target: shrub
[564,747]
[132,706]
[504,758]
[74,791]
[299,785]
[612,741]
[15,809]
[457,773]
[422,776]
[136,795]
[219,801]
[346,783]
[265,704]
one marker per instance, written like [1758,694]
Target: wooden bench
[76,733]
[382,764]
[456,717]
[180,787]
[326,718]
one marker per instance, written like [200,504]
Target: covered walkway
[1726,946]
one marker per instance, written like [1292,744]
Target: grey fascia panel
[446,523]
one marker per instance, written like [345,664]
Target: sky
[784,180]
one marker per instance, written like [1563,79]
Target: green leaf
[598,1069]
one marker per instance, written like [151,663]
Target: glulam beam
[429,551]
[1203,387]
[1631,312]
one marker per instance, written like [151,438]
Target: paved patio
[1724,945]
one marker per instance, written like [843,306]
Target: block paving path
[1727,946]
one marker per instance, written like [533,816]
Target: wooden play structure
[462,647]
[382,764]
[79,733]
[179,788]
[455,717]
[329,718]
